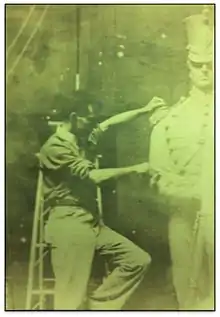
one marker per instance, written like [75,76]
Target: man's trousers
[74,239]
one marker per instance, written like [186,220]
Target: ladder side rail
[41,256]
[34,239]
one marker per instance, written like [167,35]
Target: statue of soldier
[182,150]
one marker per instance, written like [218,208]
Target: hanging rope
[10,72]
[21,30]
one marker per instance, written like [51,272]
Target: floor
[155,293]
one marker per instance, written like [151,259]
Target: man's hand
[142,168]
[155,103]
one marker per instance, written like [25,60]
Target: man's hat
[78,102]
[200,34]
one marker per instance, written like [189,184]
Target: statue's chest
[183,133]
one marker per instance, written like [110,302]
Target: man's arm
[100,175]
[61,157]
[131,115]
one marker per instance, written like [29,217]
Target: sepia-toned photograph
[110,157]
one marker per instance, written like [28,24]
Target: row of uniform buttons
[168,140]
[201,140]
[205,124]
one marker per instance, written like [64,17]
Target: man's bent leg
[129,262]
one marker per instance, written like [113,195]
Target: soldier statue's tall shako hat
[200,35]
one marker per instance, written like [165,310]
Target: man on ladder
[74,228]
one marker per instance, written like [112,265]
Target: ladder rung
[44,292]
[37,305]
[40,258]
[46,212]
[45,245]
[49,280]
